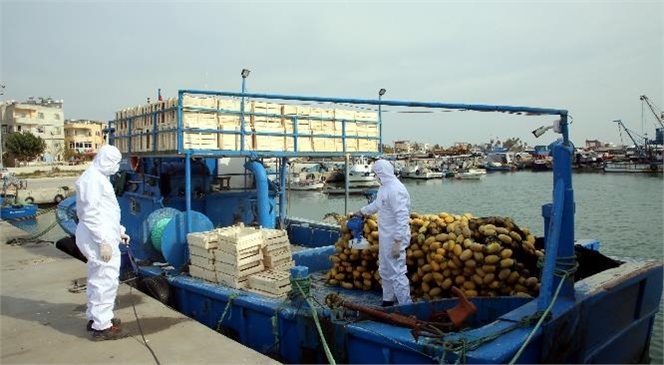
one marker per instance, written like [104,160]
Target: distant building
[402,147]
[593,144]
[43,117]
[83,136]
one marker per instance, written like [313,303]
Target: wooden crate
[229,104]
[344,114]
[201,273]
[206,263]
[240,271]
[166,141]
[275,258]
[200,140]
[199,120]
[206,240]
[202,252]
[366,116]
[232,281]
[199,101]
[272,282]
[269,109]
[239,258]
[368,145]
[283,266]
[240,237]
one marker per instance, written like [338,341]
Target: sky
[592,58]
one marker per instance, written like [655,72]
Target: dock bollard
[300,285]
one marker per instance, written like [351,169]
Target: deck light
[245,73]
[381,92]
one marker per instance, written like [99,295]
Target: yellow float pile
[481,256]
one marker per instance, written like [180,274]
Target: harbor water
[624,211]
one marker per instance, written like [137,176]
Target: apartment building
[402,147]
[83,136]
[43,117]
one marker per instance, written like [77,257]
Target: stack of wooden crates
[257,260]
[319,129]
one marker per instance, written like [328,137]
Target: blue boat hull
[609,322]
[18,212]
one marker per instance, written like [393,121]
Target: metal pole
[187,187]
[346,186]
[380,121]
[242,131]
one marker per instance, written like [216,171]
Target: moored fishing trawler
[565,311]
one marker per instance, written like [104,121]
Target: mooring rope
[306,296]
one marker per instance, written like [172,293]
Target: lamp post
[381,92]
[245,73]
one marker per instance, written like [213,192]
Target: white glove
[105,252]
[396,249]
[124,238]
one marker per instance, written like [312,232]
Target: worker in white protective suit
[392,204]
[98,236]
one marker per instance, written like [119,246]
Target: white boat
[470,174]
[307,185]
[360,174]
[306,181]
[634,167]
[415,170]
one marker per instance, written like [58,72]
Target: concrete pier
[42,318]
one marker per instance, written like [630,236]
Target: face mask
[115,169]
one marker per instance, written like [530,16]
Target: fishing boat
[470,174]
[10,211]
[646,157]
[583,312]
[421,171]
[360,174]
[311,185]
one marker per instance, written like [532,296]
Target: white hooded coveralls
[99,222]
[393,207]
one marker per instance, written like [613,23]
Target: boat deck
[42,321]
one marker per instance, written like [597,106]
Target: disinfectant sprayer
[356,227]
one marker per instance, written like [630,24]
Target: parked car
[45,195]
